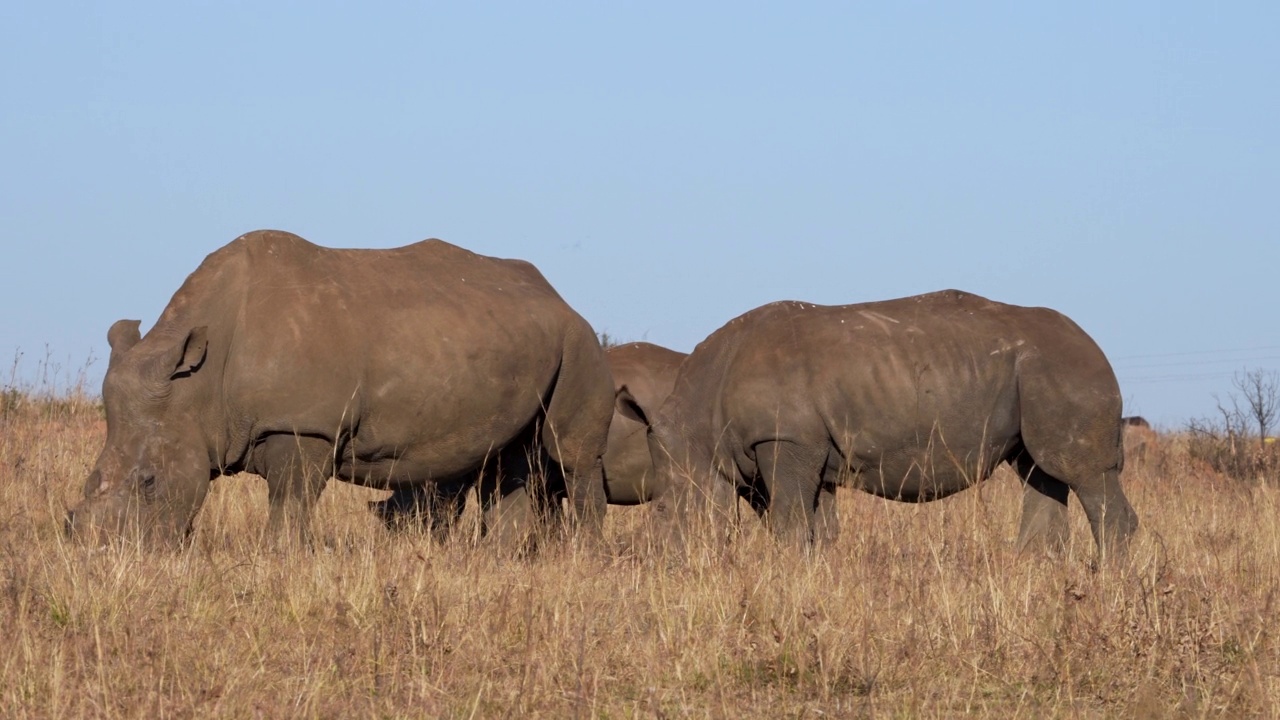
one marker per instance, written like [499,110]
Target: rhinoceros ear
[185,357]
[122,336]
[625,404]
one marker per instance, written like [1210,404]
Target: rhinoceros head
[681,470]
[154,471]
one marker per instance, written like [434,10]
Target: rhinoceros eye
[148,485]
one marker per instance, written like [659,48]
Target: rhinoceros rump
[911,399]
[384,368]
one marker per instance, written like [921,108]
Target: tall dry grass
[918,611]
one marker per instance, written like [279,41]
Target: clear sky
[667,165]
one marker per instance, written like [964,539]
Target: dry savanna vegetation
[920,610]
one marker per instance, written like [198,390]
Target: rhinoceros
[405,366]
[911,399]
[649,373]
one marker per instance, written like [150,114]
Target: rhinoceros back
[418,359]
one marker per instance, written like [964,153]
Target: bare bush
[1260,395]
[51,390]
[1236,442]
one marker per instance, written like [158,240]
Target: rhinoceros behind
[381,367]
[911,399]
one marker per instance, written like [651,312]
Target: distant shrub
[49,392]
[15,403]
[1237,443]
[1229,448]
[11,401]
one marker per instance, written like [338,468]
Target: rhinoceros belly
[914,474]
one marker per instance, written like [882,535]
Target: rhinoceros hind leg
[576,429]
[583,482]
[1110,515]
[1076,439]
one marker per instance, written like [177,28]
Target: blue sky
[667,166]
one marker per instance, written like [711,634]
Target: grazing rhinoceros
[648,370]
[381,367]
[911,399]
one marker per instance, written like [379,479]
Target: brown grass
[919,611]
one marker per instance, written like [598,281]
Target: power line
[1157,356]
[1134,374]
[1185,377]
[1184,363]
[1174,378]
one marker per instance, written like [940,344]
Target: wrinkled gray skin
[649,373]
[911,399]
[385,368]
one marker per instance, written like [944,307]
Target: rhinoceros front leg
[792,474]
[296,468]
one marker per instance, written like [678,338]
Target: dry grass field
[920,611]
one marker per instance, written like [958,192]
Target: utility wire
[1185,363]
[1173,378]
[1157,356]
[1134,373]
